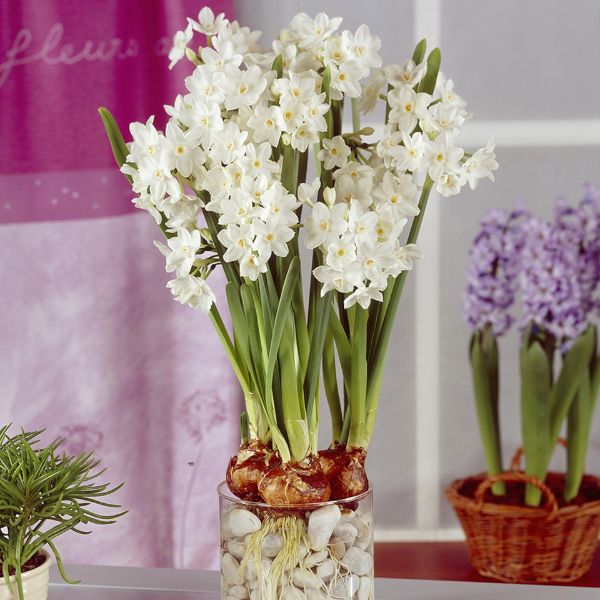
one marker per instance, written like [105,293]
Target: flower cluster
[554,265]
[238,137]
[492,274]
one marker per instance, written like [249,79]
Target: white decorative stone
[347,515]
[243,522]
[292,593]
[238,591]
[365,589]
[305,579]
[358,561]
[326,570]
[230,568]
[315,558]
[321,524]
[338,549]
[271,545]
[301,553]
[316,595]
[345,532]
[236,548]
[344,587]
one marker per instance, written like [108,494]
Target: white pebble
[238,591]
[271,545]
[316,595]
[358,561]
[292,593]
[315,558]
[321,524]
[236,549]
[326,570]
[344,587]
[305,579]
[242,522]
[230,568]
[338,549]
[365,589]
[347,515]
[345,532]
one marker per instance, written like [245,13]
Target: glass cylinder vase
[299,552]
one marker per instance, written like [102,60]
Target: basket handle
[486,484]
[515,463]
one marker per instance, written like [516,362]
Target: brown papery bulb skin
[345,469]
[247,468]
[289,484]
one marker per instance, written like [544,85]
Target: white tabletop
[127,583]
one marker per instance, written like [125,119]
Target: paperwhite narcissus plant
[235,152]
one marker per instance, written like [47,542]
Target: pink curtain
[92,347]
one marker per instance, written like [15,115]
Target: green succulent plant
[43,494]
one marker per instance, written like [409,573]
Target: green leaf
[575,366]
[484,369]
[419,53]
[358,380]
[535,415]
[115,137]
[434,60]
[278,66]
[330,385]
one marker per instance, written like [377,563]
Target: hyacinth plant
[43,494]
[235,153]
[553,268]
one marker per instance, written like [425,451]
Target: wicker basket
[522,544]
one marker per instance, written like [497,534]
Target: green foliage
[547,403]
[43,494]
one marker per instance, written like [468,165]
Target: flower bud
[329,196]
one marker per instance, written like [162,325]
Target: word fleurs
[55,51]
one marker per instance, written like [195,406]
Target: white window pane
[516,59]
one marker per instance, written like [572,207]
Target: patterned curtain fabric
[92,347]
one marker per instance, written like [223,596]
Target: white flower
[389,227]
[182,149]
[441,117]
[290,115]
[203,119]
[277,202]
[295,86]
[376,261]
[354,181]
[304,136]
[242,88]
[156,175]
[407,74]
[387,146]
[207,22]
[445,88]
[238,241]
[335,51]
[345,78]
[409,156]
[325,225]
[205,83]
[363,295]
[181,251]
[340,254]
[398,192]
[258,161]
[182,213]
[362,224]
[272,237]
[220,57]
[180,41]
[228,146]
[193,291]
[335,279]
[252,266]
[363,46]
[441,156]
[480,165]
[407,107]
[237,209]
[307,191]
[147,142]
[406,255]
[144,201]
[335,153]
[314,32]
[370,91]
[449,183]
[314,109]
[266,124]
